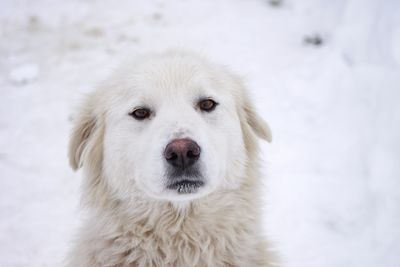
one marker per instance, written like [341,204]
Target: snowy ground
[333,190]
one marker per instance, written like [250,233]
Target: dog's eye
[207,105]
[140,113]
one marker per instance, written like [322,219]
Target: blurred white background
[325,74]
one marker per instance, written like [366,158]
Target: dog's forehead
[158,79]
[175,76]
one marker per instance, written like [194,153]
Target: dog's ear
[85,145]
[256,123]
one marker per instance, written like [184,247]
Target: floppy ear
[256,123]
[85,145]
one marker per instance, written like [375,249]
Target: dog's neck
[145,213]
[213,226]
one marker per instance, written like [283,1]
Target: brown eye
[140,113]
[207,105]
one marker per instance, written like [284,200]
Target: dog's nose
[182,153]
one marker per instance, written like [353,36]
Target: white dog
[169,151]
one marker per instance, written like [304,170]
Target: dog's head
[170,126]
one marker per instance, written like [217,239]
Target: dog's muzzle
[183,173]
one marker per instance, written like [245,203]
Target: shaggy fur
[221,228]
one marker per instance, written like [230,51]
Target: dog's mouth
[186,186]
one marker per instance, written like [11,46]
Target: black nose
[182,153]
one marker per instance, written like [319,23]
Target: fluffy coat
[220,229]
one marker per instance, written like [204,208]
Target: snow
[333,186]
[24,73]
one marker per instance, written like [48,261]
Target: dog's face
[172,129]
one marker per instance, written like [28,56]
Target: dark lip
[192,172]
[186,186]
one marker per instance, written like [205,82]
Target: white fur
[134,220]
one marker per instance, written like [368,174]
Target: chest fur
[191,245]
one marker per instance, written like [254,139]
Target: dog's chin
[184,189]
[186,186]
